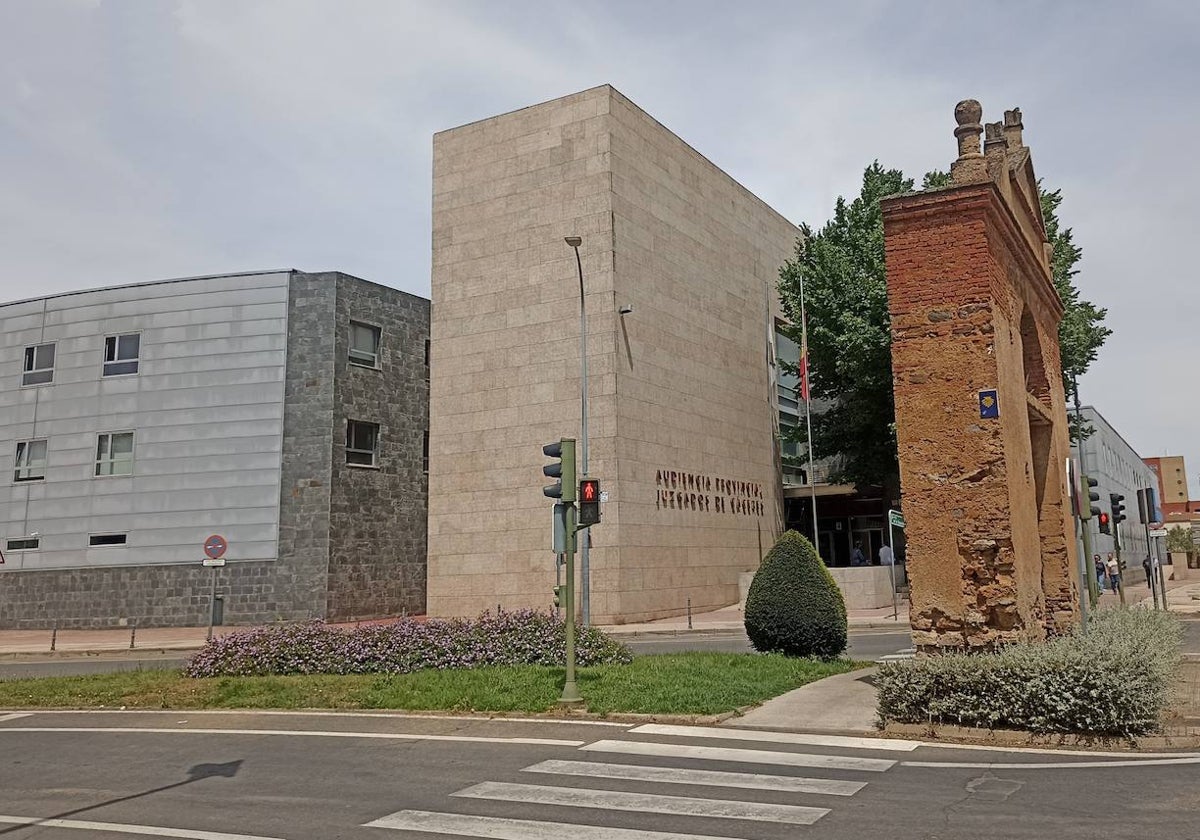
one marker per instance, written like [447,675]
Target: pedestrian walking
[1114,573]
[1101,571]
[1149,567]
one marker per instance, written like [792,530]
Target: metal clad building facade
[203,399]
[136,421]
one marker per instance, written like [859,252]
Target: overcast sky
[145,139]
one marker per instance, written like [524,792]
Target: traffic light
[563,470]
[1087,510]
[1104,529]
[1118,509]
[589,502]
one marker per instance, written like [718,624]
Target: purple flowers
[525,637]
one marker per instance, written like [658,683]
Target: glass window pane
[29,358]
[101,447]
[122,444]
[110,348]
[45,356]
[128,345]
[37,452]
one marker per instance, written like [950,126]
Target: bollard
[54,636]
[689,613]
[132,634]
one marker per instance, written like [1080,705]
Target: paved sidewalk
[845,704]
[733,618]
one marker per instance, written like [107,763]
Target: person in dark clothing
[1101,572]
[857,558]
[1149,567]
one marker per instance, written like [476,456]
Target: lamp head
[574,241]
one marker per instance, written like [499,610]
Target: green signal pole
[570,694]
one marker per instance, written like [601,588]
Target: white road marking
[721,733]
[126,828]
[334,714]
[1049,765]
[682,776]
[317,733]
[500,828]
[832,762]
[653,803]
[14,716]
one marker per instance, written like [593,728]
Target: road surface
[286,776]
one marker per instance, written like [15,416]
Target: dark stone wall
[377,516]
[308,436]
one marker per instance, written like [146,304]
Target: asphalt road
[213,776]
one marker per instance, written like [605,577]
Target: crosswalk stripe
[830,762]
[644,802]
[502,828]
[724,734]
[683,776]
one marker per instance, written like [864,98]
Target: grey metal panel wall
[206,407]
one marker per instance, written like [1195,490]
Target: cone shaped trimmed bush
[794,607]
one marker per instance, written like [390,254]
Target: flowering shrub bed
[525,637]
[1115,680]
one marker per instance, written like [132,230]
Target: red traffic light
[589,490]
[589,501]
[1103,518]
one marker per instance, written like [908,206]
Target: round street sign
[215,546]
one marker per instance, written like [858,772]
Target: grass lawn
[682,683]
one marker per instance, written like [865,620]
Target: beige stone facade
[681,408]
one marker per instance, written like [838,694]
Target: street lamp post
[585,580]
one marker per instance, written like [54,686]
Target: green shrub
[794,607]
[1115,680]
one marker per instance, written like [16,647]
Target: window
[427,360]
[114,453]
[39,364]
[31,460]
[121,354]
[364,345]
[106,539]
[425,453]
[23,544]
[362,443]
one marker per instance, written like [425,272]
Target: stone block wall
[377,517]
[680,401]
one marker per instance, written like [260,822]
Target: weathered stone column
[980,409]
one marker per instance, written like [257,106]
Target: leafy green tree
[1180,539]
[849,328]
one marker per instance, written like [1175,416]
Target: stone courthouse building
[680,265]
[282,410]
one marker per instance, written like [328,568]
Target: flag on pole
[803,365]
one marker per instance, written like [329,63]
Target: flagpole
[812,479]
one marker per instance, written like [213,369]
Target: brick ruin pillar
[980,409]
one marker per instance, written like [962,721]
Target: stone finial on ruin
[970,168]
[1012,128]
[995,151]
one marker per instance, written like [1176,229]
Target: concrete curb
[1189,738]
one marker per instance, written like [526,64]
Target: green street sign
[896,518]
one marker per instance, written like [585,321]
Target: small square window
[96,540]
[39,365]
[23,544]
[121,354]
[114,453]
[362,443]
[425,453]
[364,345]
[31,460]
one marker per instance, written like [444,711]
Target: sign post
[895,520]
[214,557]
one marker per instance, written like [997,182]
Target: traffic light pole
[570,694]
[564,491]
[1088,585]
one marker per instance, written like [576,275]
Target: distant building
[1172,486]
[1109,459]
[282,410]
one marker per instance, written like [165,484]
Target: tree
[849,327]
[794,607]
[1180,540]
